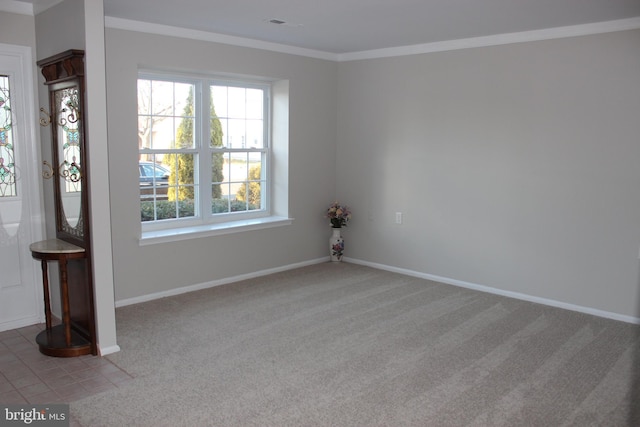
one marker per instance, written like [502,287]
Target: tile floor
[27,376]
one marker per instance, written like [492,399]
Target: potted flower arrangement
[338,215]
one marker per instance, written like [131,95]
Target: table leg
[47,297]
[64,294]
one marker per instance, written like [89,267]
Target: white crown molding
[24,8]
[167,30]
[495,40]
[18,7]
[474,42]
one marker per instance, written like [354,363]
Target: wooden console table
[60,340]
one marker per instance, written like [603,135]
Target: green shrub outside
[166,209]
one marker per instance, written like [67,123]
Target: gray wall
[17,29]
[60,28]
[142,270]
[69,15]
[516,166]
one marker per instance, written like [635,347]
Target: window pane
[218,167]
[217,174]
[182,169]
[144,97]
[172,193]
[247,185]
[148,210]
[220,187]
[255,165]
[219,100]
[186,208]
[255,195]
[237,102]
[224,127]
[165,115]
[184,137]
[220,204]
[256,179]
[237,135]
[183,95]
[154,181]
[144,132]
[237,179]
[242,182]
[255,134]
[7,165]
[216,129]
[255,98]
[167,189]
[238,167]
[184,107]
[162,103]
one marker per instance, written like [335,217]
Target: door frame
[29,169]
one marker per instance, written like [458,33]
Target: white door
[20,206]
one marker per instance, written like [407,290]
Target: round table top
[55,246]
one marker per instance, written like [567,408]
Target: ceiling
[347,26]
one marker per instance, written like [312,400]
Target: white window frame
[204,222]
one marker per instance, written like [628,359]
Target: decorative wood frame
[65,71]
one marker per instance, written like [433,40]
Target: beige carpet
[347,345]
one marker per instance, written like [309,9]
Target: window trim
[213,229]
[231,222]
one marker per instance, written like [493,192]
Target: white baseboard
[445,280]
[496,291]
[108,350]
[219,282]
[21,323]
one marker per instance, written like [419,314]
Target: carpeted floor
[339,344]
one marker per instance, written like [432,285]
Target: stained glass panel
[68,121]
[7,162]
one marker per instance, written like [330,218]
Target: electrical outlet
[398,217]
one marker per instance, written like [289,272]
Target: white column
[97,152]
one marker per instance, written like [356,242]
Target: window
[204,150]
[7,165]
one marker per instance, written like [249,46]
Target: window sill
[186,233]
